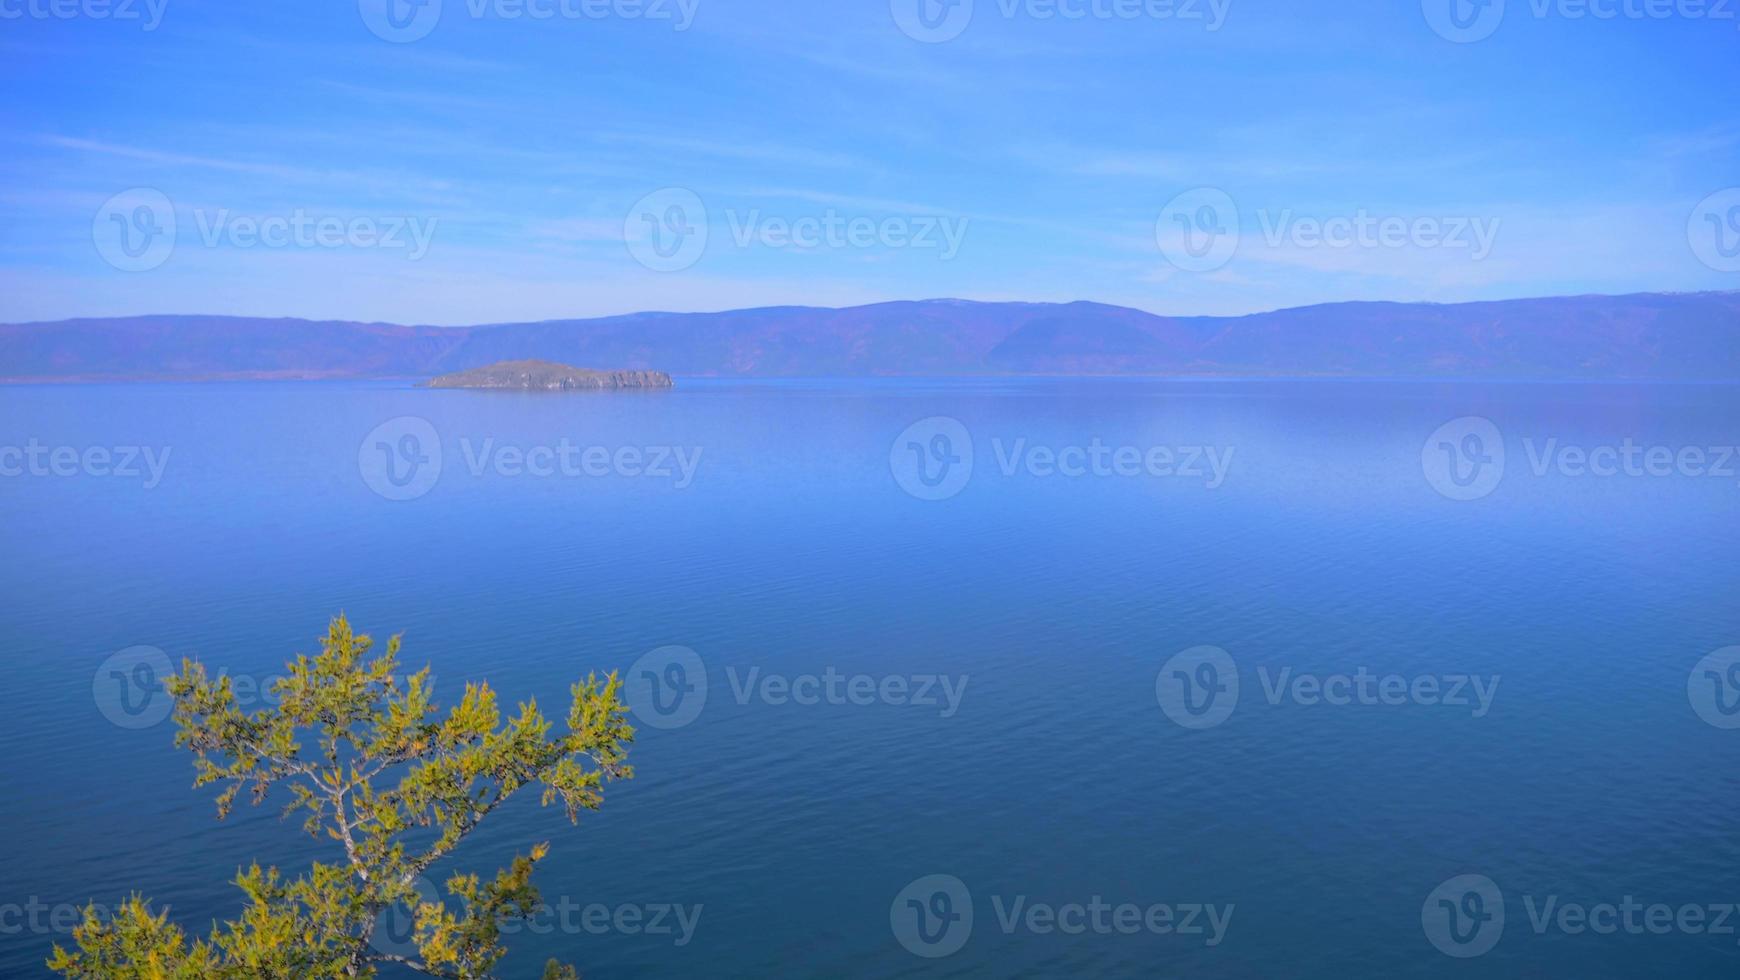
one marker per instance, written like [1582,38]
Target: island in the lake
[548,376]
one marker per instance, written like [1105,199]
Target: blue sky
[1028,157]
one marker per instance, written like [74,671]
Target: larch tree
[370,763]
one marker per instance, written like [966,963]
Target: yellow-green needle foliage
[370,762]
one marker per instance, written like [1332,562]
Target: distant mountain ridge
[1644,336]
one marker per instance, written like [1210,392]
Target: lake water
[1014,700]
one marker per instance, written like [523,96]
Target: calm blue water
[1589,777]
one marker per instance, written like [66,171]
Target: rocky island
[548,376]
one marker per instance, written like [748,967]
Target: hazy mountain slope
[1646,336]
[935,337]
[213,346]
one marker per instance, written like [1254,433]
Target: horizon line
[865,306]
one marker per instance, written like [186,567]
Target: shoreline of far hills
[1638,337]
[536,375]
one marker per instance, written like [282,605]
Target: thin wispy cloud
[750,150]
